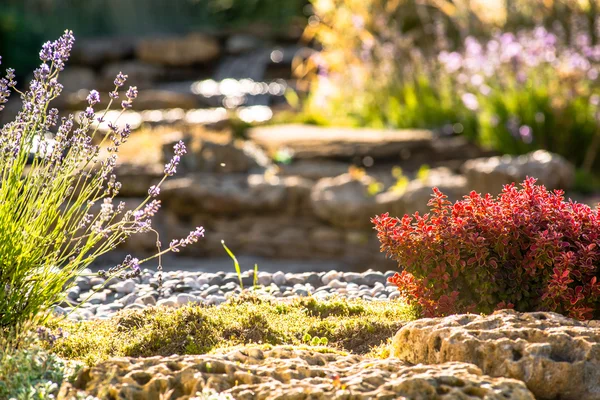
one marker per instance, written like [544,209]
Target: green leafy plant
[527,249]
[31,373]
[50,228]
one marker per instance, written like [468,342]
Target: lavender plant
[50,229]
[534,89]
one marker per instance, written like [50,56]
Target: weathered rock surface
[228,194]
[314,170]
[488,175]
[557,357]
[219,157]
[287,373]
[183,51]
[344,201]
[312,141]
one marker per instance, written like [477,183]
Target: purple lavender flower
[179,148]
[93,97]
[132,92]
[154,191]
[120,79]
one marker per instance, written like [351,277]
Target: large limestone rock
[229,194]
[306,141]
[183,51]
[419,191]
[230,156]
[283,372]
[556,357]
[488,175]
[345,202]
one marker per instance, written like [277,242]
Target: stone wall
[319,205]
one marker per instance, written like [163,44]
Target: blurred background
[305,118]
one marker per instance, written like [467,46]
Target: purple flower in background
[526,134]
[132,92]
[470,101]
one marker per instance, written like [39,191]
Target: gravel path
[213,288]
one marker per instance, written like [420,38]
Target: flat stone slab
[307,141]
[284,372]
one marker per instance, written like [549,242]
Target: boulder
[305,141]
[489,175]
[285,372]
[556,357]
[195,48]
[345,202]
[230,156]
[313,169]
[419,192]
[223,194]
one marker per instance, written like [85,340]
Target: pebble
[330,276]
[279,278]
[127,286]
[184,298]
[183,287]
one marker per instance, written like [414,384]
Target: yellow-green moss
[355,326]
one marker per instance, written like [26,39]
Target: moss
[355,326]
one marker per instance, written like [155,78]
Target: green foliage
[355,326]
[31,373]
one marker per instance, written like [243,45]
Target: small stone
[148,300]
[372,277]
[135,306]
[389,274]
[95,298]
[83,283]
[59,311]
[329,276]
[212,289]
[184,298]
[300,292]
[265,278]
[74,293]
[215,300]
[96,280]
[279,278]
[172,302]
[293,279]
[129,299]
[215,280]
[337,284]
[127,286]
[109,308]
[354,277]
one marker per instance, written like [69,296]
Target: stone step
[308,142]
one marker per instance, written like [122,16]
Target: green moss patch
[355,326]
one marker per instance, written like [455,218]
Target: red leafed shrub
[526,249]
